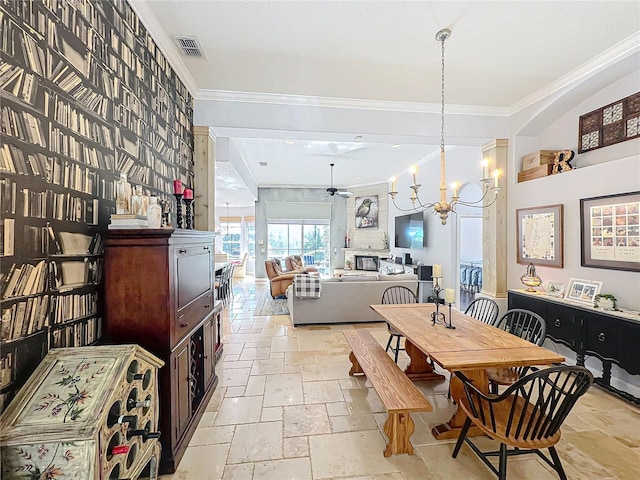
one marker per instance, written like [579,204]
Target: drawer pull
[557,322]
[602,337]
[182,250]
[207,306]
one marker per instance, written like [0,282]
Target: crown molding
[619,51]
[350,103]
[163,42]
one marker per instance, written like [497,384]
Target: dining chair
[483,309]
[397,294]
[526,416]
[524,324]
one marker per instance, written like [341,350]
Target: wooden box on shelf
[158,290]
[536,159]
[536,172]
[87,412]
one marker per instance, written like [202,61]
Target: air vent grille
[262,164]
[189,46]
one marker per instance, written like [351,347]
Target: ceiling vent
[189,46]
[262,164]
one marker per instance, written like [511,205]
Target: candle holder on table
[449,325]
[178,209]
[435,316]
[187,213]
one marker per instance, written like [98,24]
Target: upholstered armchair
[278,279]
[294,262]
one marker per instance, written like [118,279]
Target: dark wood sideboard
[159,294]
[611,337]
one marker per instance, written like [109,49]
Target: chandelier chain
[442,39]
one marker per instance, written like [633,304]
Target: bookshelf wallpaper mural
[85,94]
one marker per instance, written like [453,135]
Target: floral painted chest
[85,413]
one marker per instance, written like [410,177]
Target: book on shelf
[127,216]
[7,232]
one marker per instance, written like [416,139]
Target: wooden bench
[398,394]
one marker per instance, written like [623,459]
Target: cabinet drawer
[189,316]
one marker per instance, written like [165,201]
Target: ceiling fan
[332,191]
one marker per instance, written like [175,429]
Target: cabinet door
[561,325]
[209,339]
[613,339]
[182,387]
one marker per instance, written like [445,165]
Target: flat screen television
[410,231]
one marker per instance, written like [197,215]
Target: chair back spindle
[483,309]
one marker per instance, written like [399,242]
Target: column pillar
[494,227]
[204,156]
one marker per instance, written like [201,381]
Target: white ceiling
[357,54]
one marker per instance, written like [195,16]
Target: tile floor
[286,408]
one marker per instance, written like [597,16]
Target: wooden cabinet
[159,294]
[609,336]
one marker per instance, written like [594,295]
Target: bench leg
[355,366]
[398,428]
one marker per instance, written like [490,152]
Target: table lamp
[530,279]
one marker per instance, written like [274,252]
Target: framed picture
[555,289]
[583,291]
[540,236]
[367,212]
[610,232]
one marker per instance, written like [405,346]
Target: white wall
[605,171]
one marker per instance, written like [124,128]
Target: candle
[413,171]
[496,175]
[485,168]
[454,187]
[449,295]
[437,271]
[178,188]
[188,194]
[393,184]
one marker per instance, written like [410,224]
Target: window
[231,239]
[309,239]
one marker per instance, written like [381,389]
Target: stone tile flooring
[286,408]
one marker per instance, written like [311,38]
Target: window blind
[297,211]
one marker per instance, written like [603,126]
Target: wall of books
[85,94]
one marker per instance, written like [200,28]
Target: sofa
[346,299]
[295,262]
[279,280]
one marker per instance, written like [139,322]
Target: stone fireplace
[371,255]
[370,263]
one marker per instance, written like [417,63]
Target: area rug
[271,306]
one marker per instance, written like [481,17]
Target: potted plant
[605,301]
[385,240]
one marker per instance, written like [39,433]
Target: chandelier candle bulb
[454,188]
[414,170]
[496,176]
[393,184]
[485,168]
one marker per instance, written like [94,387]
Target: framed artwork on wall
[540,235]
[366,212]
[610,231]
[583,291]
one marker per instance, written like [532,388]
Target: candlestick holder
[178,209]
[165,205]
[448,325]
[187,213]
[435,316]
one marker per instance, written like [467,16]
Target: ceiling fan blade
[344,193]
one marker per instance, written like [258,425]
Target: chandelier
[444,207]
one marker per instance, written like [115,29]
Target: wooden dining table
[471,347]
